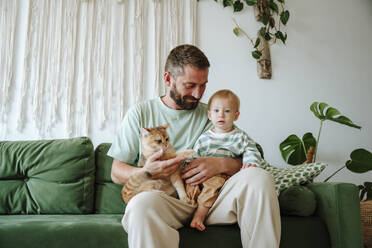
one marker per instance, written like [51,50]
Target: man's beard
[181,101]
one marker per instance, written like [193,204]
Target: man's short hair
[185,55]
[225,94]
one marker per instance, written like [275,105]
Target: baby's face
[222,113]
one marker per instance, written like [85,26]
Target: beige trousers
[248,198]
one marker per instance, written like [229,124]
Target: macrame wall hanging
[85,62]
[8,16]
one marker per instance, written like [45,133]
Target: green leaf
[313,108]
[228,3]
[293,149]
[256,54]
[238,6]
[365,189]
[368,188]
[265,19]
[281,1]
[274,6]
[324,112]
[257,42]
[236,31]
[284,17]
[251,2]
[361,161]
[262,31]
[280,36]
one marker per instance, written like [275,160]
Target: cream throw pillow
[295,175]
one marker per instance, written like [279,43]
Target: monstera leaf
[324,112]
[361,161]
[294,149]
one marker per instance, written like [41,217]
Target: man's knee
[256,178]
[140,206]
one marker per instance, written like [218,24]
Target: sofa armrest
[339,207]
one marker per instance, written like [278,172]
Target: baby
[223,140]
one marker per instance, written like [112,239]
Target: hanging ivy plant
[272,15]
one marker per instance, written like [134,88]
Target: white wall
[327,58]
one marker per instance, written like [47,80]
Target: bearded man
[151,219]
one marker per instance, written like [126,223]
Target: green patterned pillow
[296,175]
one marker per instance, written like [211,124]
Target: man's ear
[167,78]
[237,113]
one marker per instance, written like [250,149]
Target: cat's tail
[131,188]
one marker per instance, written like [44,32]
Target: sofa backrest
[47,176]
[107,194]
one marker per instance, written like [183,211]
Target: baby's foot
[198,218]
[185,199]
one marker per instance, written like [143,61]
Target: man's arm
[121,172]
[201,169]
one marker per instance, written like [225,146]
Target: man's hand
[201,169]
[162,168]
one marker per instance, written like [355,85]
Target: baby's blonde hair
[225,94]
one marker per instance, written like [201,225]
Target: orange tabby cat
[152,140]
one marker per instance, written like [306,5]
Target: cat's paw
[188,153]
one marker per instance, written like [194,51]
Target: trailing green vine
[272,14]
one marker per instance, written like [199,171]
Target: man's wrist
[231,165]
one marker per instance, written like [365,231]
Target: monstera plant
[297,151]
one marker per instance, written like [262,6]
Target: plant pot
[366,214]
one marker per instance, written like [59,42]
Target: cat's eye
[158,141]
[166,139]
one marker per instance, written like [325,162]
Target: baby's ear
[237,113]
[145,132]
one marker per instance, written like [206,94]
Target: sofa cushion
[107,194]
[295,175]
[47,176]
[55,231]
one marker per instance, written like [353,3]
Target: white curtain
[85,62]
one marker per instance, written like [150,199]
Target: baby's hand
[245,166]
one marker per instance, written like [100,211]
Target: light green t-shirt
[185,127]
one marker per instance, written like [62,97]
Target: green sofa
[58,193]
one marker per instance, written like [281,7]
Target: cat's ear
[145,131]
[166,126]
